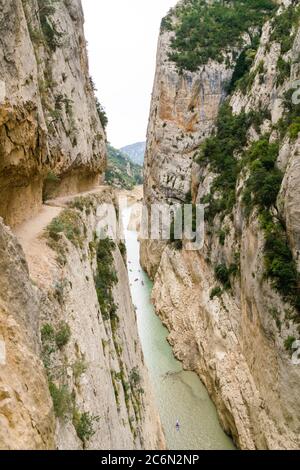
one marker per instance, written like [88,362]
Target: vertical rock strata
[72,373]
[228,320]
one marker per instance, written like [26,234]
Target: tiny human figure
[177,425]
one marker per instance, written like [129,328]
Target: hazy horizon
[122,41]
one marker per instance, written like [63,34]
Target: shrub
[84,424]
[47,333]
[283,70]
[122,248]
[106,278]
[79,368]
[204,31]
[264,182]
[48,345]
[55,228]
[294,129]
[215,292]
[223,275]
[69,223]
[222,237]
[59,291]
[291,113]
[51,35]
[283,25]
[280,266]
[63,335]
[102,114]
[166,24]
[135,377]
[52,177]
[81,203]
[240,77]
[288,344]
[62,400]
[219,151]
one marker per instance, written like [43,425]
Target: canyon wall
[72,373]
[228,316]
[51,138]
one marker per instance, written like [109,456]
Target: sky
[122,40]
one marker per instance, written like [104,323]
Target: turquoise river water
[179,394]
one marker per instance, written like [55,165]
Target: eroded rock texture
[237,339]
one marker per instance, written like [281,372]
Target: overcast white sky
[122,39]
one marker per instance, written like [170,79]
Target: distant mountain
[121,171]
[136,152]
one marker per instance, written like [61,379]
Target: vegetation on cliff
[121,171]
[209,30]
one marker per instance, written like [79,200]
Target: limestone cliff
[72,373]
[51,138]
[232,308]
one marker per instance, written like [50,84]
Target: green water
[179,394]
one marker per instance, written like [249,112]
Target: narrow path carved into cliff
[30,236]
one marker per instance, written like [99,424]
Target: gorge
[85,321]
[224,132]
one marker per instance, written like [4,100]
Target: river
[179,394]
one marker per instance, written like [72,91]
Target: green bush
[294,129]
[280,266]
[241,74]
[223,275]
[291,115]
[84,424]
[215,292]
[219,152]
[69,223]
[106,278]
[135,377]
[222,237]
[47,333]
[48,345]
[63,335]
[203,30]
[166,24]
[79,368]
[62,400]
[122,248]
[51,35]
[283,25]
[283,71]
[288,344]
[263,185]
[102,114]
[52,177]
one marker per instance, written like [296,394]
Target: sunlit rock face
[237,340]
[49,123]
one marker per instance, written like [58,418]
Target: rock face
[182,115]
[72,373]
[238,340]
[26,416]
[97,373]
[51,138]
